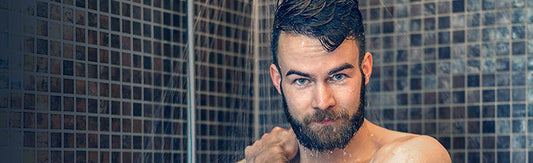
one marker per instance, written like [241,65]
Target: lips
[326,121]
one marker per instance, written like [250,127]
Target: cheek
[297,100]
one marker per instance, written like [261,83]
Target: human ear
[366,66]
[276,77]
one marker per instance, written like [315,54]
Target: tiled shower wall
[105,80]
[458,70]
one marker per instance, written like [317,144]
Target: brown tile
[104,124]
[55,84]
[126,125]
[42,103]
[68,15]
[42,28]
[92,37]
[29,101]
[56,157]
[126,75]
[104,22]
[104,72]
[81,140]
[55,12]
[115,91]
[80,87]
[81,122]
[55,121]
[115,124]
[42,120]
[104,89]
[104,157]
[103,108]
[41,65]
[92,88]
[93,157]
[115,142]
[29,120]
[92,19]
[68,32]
[42,156]
[80,35]
[81,105]
[55,103]
[68,123]
[92,105]
[80,17]
[137,126]
[104,39]
[126,42]
[92,123]
[55,66]
[42,83]
[104,57]
[54,30]
[126,59]
[42,139]
[136,42]
[68,50]
[29,82]
[92,141]
[29,139]
[68,156]
[115,73]
[126,108]
[68,104]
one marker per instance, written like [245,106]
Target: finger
[292,145]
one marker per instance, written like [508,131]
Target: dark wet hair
[330,21]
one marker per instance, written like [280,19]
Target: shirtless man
[321,70]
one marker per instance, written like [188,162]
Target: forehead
[299,48]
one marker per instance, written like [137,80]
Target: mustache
[321,115]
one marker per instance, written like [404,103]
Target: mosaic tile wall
[458,70]
[105,80]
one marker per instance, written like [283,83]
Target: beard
[328,138]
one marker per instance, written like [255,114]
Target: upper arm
[416,149]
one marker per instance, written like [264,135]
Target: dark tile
[519,156]
[458,6]
[444,37]
[503,142]
[474,127]
[503,157]
[473,157]
[519,110]
[519,126]
[488,126]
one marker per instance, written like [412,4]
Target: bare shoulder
[412,148]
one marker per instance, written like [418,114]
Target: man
[321,69]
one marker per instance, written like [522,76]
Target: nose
[323,98]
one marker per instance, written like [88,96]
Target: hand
[280,145]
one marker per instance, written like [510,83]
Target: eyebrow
[331,72]
[340,68]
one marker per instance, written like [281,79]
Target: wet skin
[313,79]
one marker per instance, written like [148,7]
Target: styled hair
[329,21]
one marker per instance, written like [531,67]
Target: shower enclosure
[109,80]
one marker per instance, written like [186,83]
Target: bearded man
[321,69]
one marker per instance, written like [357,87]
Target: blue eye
[339,76]
[301,81]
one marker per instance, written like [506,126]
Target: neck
[361,148]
